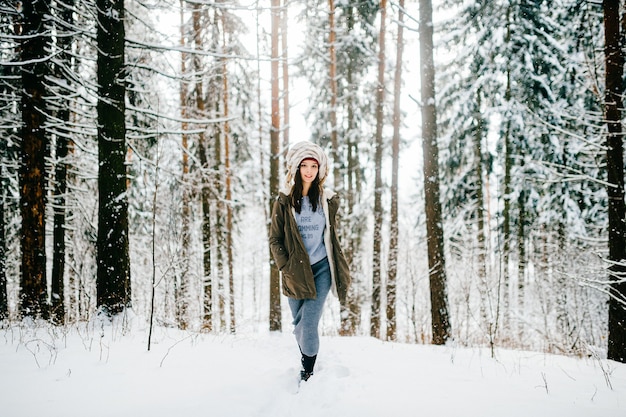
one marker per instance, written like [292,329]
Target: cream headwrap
[301,151]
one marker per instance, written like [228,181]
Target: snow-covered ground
[94,370]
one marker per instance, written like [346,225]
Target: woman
[305,247]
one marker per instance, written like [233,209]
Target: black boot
[308,362]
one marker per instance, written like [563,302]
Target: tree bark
[205,196]
[32,170]
[58,261]
[206,183]
[284,19]
[392,265]
[434,228]
[614,62]
[275,309]
[113,262]
[332,75]
[378,182]
[215,101]
[506,197]
[521,261]
[228,185]
[186,202]
[352,230]
[4,300]
[62,150]
[219,224]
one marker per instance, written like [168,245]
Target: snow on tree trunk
[275,309]
[392,265]
[434,228]
[614,60]
[32,171]
[64,45]
[113,262]
[378,182]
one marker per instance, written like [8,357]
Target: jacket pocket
[294,278]
[288,284]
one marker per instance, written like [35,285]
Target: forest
[477,148]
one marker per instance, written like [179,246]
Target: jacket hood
[301,151]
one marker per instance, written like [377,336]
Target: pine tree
[392,265]
[63,72]
[186,202]
[614,67]
[539,108]
[378,182]
[434,228]
[113,276]
[275,310]
[4,301]
[464,82]
[35,68]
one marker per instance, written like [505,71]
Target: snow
[103,370]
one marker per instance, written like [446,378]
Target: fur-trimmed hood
[301,151]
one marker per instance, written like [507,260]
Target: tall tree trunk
[72,311]
[521,261]
[351,308]
[215,96]
[4,300]
[215,99]
[392,265]
[219,224]
[346,326]
[434,228]
[205,196]
[113,270]
[275,311]
[506,197]
[332,75]
[58,261]
[32,169]
[378,182]
[228,174]
[487,315]
[285,67]
[206,181]
[563,247]
[229,232]
[265,200]
[614,62]
[186,210]
[62,149]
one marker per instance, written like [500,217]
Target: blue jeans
[307,313]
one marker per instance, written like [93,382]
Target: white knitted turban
[301,151]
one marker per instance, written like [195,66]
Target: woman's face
[308,170]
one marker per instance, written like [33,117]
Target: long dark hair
[296,192]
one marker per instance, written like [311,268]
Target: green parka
[291,256]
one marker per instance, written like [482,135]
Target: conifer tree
[275,311]
[392,265]
[434,228]
[614,67]
[113,258]
[62,88]
[35,68]
[378,182]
